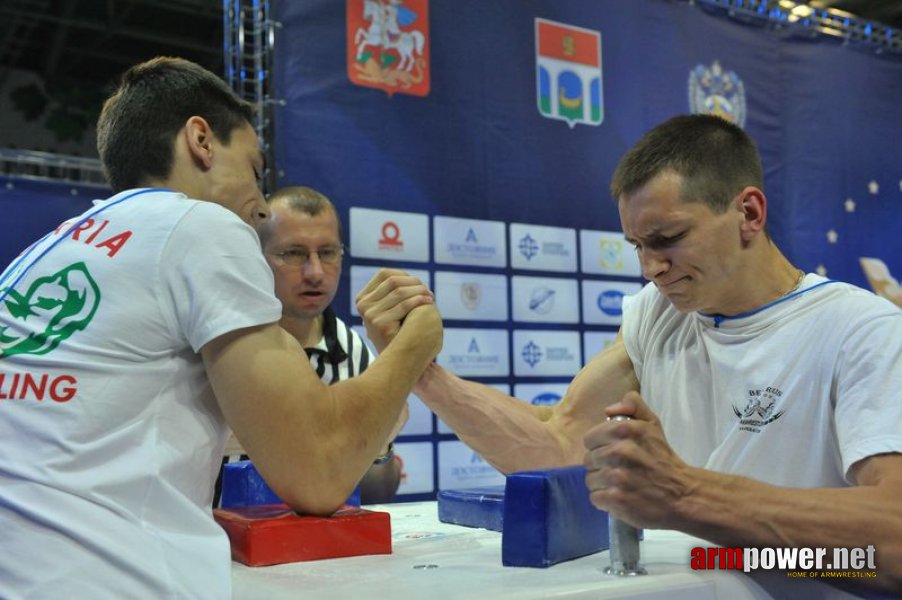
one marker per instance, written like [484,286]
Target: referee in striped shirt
[302,244]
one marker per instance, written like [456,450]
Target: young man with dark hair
[134,336]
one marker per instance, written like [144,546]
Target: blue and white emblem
[714,91]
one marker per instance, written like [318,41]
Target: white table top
[432,560]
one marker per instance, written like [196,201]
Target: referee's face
[304,253]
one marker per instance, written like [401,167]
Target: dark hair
[715,158]
[138,124]
[300,199]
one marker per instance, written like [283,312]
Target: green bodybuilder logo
[66,300]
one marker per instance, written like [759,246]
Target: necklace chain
[797,283]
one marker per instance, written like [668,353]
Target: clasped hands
[392,299]
[631,470]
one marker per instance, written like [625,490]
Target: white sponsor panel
[460,467]
[596,341]
[607,253]
[603,300]
[469,242]
[416,467]
[475,352]
[546,353]
[419,421]
[389,235]
[544,299]
[503,387]
[471,296]
[361,275]
[542,248]
[540,394]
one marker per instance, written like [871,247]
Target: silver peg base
[625,572]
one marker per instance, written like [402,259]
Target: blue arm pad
[474,507]
[548,518]
[242,485]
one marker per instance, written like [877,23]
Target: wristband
[389,454]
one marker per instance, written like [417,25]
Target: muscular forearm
[366,408]
[508,433]
[284,415]
[516,436]
[738,512]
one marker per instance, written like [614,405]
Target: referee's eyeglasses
[298,257]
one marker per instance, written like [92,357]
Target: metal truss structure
[812,20]
[248,42]
[49,166]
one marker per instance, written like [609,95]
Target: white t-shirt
[110,437]
[792,395]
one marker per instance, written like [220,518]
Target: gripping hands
[394,300]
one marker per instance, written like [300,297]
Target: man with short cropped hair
[770,411]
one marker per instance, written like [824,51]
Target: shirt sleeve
[216,277]
[635,322]
[868,380]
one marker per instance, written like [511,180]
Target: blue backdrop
[30,208]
